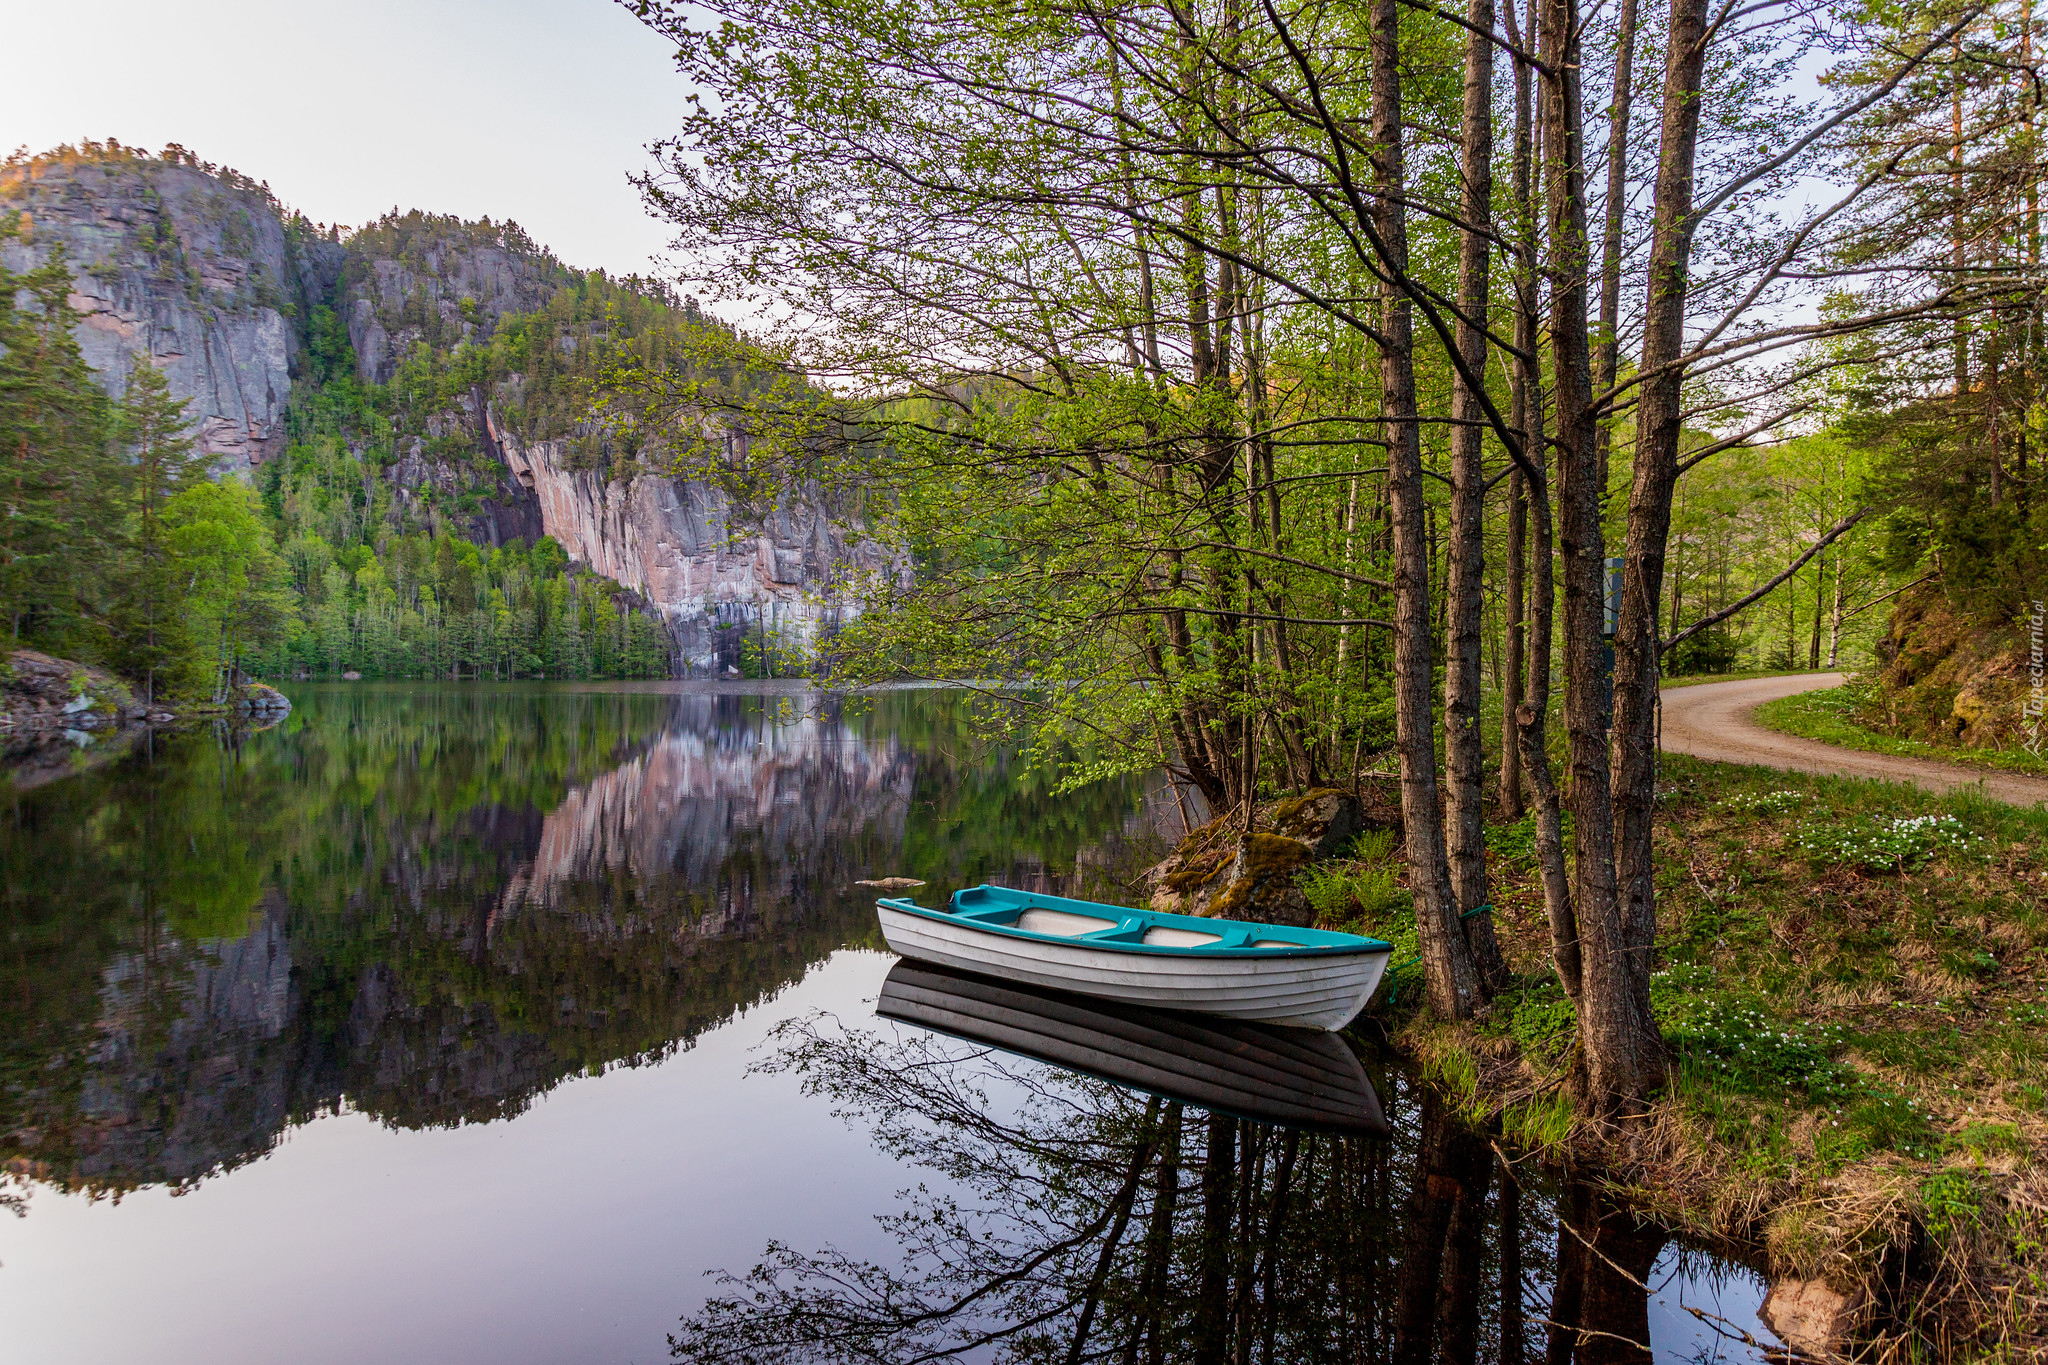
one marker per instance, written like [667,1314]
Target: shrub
[1737,1047]
[1516,843]
[1950,1201]
[1542,1021]
[1743,1048]
[1344,892]
[1373,846]
[1987,1139]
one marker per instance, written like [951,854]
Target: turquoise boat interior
[1057,919]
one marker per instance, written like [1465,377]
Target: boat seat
[1160,936]
[1066,924]
[1043,919]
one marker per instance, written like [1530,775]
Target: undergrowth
[1853,983]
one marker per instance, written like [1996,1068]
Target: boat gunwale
[1344,945]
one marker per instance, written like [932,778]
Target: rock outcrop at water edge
[793,575]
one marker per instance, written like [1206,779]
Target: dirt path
[1712,720]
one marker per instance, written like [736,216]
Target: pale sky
[533,110]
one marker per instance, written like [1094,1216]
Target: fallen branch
[1890,595]
[1834,533]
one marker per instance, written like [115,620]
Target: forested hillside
[245,442]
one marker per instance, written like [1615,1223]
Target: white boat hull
[1324,991]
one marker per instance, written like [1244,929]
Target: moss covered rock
[1948,680]
[1224,870]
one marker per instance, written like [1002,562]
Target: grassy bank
[1831,716]
[1854,981]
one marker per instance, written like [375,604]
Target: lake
[486,1023]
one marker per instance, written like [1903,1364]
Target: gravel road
[1712,720]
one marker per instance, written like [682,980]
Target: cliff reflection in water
[1067,1217]
[434,904]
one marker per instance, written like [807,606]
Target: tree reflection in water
[433,904]
[1069,1219]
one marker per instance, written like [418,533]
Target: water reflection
[433,905]
[1067,1217]
[1300,1077]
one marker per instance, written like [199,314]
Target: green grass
[1848,971]
[1852,978]
[1829,715]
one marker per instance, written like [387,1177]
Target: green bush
[1737,1047]
[1515,844]
[1745,1049]
[1543,1021]
[1986,1139]
[1950,1201]
[1372,846]
[1341,893]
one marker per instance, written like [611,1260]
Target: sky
[532,110]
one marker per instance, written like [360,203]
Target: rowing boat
[1305,978]
[1285,1076]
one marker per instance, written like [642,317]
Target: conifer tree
[56,470]
[151,643]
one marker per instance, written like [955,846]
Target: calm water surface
[488,1024]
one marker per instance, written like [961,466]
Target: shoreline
[1855,1100]
[59,717]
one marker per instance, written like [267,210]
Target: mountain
[435,376]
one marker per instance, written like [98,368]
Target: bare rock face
[200,273]
[1325,819]
[39,694]
[712,573]
[262,702]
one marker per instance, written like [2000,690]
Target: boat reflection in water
[1292,1077]
[1101,1182]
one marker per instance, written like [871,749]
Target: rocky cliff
[419,278]
[201,271]
[198,269]
[718,577]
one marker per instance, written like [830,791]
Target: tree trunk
[1512,641]
[1791,626]
[1677,581]
[1820,587]
[1960,343]
[1464,798]
[1453,985]
[1532,716]
[1631,1056]
[1835,620]
[1607,345]
[1621,1051]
